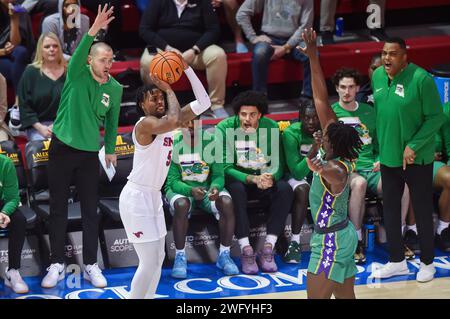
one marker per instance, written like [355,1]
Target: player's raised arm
[320,93]
[202,102]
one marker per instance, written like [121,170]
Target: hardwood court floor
[439,288]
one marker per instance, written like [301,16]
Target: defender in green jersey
[332,267]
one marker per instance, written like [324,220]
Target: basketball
[167,66]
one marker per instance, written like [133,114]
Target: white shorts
[295,183]
[214,209]
[142,214]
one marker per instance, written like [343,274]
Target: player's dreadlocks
[344,140]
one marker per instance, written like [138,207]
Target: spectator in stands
[409,114]
[281,29]
[15,221]
[254,162]
[297,141]
[365,94]
[191,29]
[196,179]
[16,42]
[40,88]
[327,23]
[231,7]
[68,31]
[112,33]
[47,7]
[367,174]
[5,132]
[90,98]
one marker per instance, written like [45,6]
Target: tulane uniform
[332,253]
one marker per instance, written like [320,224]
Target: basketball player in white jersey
[140,202]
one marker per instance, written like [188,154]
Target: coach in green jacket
[408,116]
[90,99]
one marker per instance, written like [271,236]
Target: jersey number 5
[169,158]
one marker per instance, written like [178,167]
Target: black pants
[64,163]
[16,237]
[280,196]
[419,179]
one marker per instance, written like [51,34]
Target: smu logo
[168,141]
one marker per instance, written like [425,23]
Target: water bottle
[339,30]
[370,237]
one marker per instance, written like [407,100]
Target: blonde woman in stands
[40,88]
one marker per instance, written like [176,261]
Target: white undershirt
[180,6]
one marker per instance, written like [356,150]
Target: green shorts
[205,204]
[333,254]
[372,178]
[437,166]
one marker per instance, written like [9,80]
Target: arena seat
[12,151]
[36,153]
[423,51]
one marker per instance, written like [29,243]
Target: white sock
[271,239]
[413,227]
[441,226]
[359,232]
[180,251]
[243,242]
[223,248]
[403,229]
[296,238]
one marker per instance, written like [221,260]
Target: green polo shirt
[408,113]
[9,186]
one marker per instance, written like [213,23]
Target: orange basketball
[168,66]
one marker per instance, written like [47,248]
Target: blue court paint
[206,281]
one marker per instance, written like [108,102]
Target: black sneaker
[378,35]
[360,257]
[327,37]
[411,240]
[443,240]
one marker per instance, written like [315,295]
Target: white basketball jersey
[151,162]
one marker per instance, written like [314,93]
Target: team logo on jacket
[399,90]
[105,99]
[138,234]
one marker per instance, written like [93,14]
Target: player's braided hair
[344,140]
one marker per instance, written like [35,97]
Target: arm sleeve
[10,188]
[295,162]
[149,25]
[27,115]
[212,28]
[432,113]
[244,16]
[202,97]
[175,183]
[79,57]
[111,124]
[306,21]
